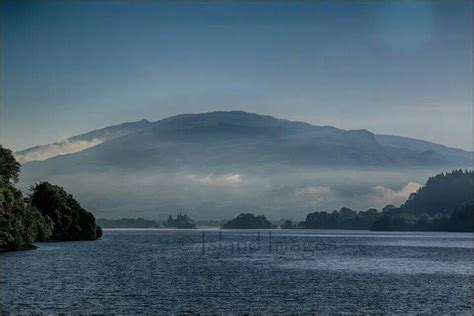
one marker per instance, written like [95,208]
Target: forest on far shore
[444,203]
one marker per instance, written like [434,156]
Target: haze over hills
[80,142]
[218,163]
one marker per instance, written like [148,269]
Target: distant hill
[223,138]
[219,163]
[248,221]
[425,148]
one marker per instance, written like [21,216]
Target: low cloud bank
[224,193]
[230,178]
[314,194]
[381,196]
[60,148]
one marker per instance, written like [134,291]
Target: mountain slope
[78,143]
[222,163]
[215,139]
[454,155]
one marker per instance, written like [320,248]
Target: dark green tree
[48,213]
[181,221]
[442,193]
[20,223]
[9,167]
[71,221]
[444,203]
[249,221]
[288,224]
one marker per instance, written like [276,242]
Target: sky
[392,67]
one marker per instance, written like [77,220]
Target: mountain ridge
[254,123]
[218,163]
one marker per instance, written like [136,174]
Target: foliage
[9,167]
[181,221]
[20,223]
[49,213]
[460,220]
[445,203]
[18,220]
[248,221]
[441,193]
[288,224]
[345,218]
[71,221]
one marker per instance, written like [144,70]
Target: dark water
[241,271]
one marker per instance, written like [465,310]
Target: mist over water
[274,190]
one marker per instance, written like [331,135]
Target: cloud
[381,196]
[229,178]
[314,194]
[60,148]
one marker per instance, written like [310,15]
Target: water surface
[153,271]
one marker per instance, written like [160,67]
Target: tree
[441,194]
[445,203]
[288,224]
[181,221]
[17,221]
[345,218]
[48,213]
[20,223]
[71,221]
[9,167]
[248,220]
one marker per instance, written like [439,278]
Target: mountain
[240,138]
[425,148]
[80,142]
[223,163]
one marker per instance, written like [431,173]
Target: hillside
[78,143]
[220,163]
[239,138]
[442,193]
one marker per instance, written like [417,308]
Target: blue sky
[396,67]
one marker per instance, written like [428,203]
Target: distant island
[127,223]
[248,221]
[48,213]
[181,221]
[445,203]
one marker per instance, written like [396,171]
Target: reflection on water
[244,271]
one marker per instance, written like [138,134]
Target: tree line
[444,203]
[46,213]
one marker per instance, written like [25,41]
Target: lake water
[162,271]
